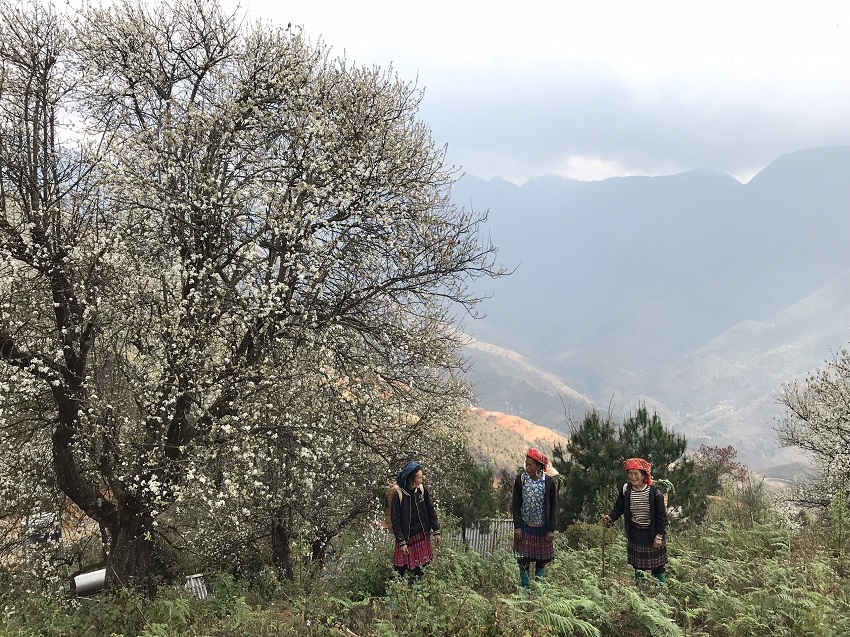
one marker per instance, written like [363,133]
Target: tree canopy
[817,420]
[228,270]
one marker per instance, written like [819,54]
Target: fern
[561,615]
[747,625]
[384,628]
[652,616]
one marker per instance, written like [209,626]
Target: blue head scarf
[405,473]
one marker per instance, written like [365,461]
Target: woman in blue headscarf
[414,522]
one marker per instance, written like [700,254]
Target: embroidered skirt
[419,552]
[534,545]
[640,552]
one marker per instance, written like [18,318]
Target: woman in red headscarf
[642,506]
[535,512]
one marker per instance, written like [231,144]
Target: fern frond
[561,615]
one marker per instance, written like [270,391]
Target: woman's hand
[606,519]
[658,542]
[517,534]
[550,536]
[437,540]
[404,549]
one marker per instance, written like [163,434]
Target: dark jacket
[403,509]
[657,512]
[550,503]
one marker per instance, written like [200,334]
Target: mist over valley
[694,293]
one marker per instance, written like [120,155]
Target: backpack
[388,498]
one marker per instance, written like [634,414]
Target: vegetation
[748,574]
[817,421]
[717,467]
[468,495]
[229,267]
[591,464]
[501,440]
[228,271]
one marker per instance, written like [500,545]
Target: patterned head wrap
[537,456]
[642,465]
[404,474]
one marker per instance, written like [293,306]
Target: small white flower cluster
[225,299]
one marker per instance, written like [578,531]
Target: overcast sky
[596,88]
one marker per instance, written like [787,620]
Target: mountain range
[695,294]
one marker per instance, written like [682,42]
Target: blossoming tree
[201,223]
[817,422]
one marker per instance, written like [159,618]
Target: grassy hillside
[502,440]
[745,573]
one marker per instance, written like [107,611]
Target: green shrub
[725,579]
[582,535]
[362,568]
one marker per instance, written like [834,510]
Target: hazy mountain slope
[694,292]
[733,380]
[509,382]
[723,392]
[761,354]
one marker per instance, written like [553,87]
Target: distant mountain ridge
[694,292]
[518,386]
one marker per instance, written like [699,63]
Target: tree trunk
[130,552]
[319,548]
[282,549]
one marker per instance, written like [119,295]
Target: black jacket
[403,509]
[550,503]
[657,512]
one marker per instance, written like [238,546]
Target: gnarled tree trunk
[281,547]
[130,551]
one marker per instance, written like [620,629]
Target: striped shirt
[639,507]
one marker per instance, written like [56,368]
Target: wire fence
[486,536]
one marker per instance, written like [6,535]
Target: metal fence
[487,535]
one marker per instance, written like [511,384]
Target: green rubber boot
[639,577]
[539,573]
[525,580]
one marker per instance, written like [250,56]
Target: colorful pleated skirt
[534,545]
[419,552]
[641,553]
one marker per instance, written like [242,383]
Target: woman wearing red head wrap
[535,511]
[642,506]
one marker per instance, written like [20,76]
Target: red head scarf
[639,463]
[537,456]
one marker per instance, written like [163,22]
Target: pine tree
[646,437]
[465,489]
[592,465]
[591,462]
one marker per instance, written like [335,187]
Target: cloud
[518,125]
[522,90]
